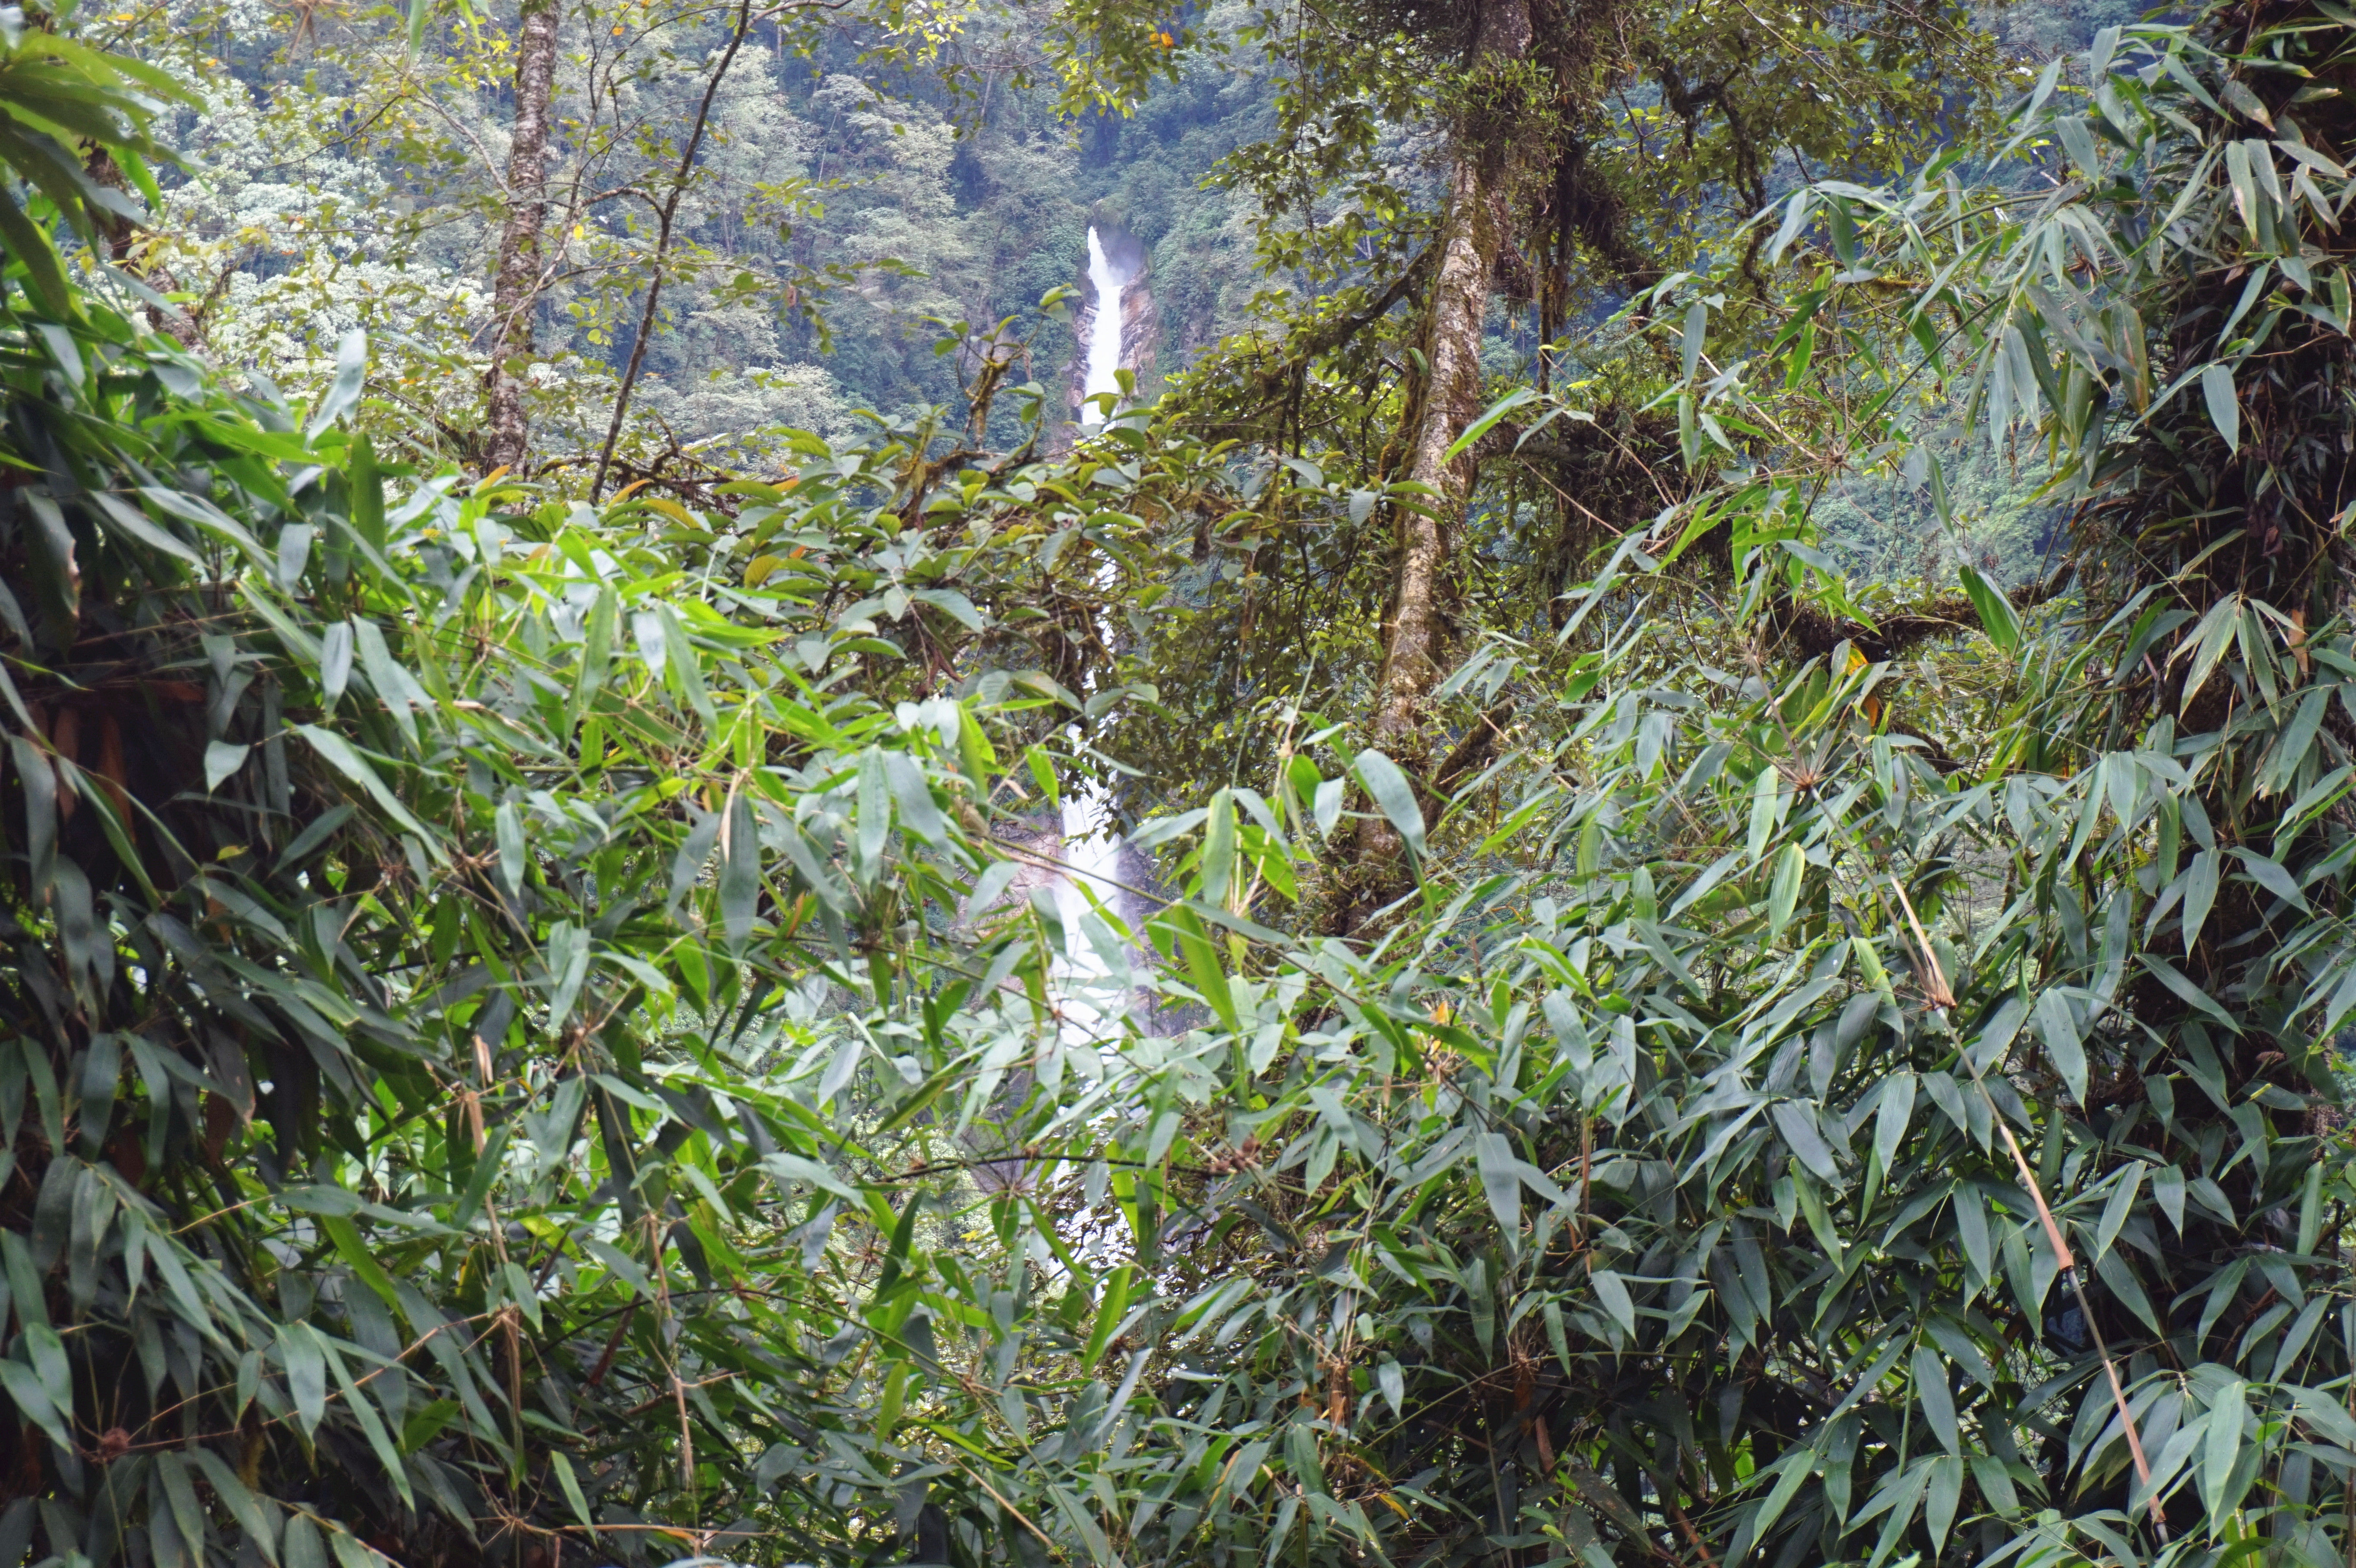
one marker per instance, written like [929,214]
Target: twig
[1020,1516]
[1943,998]
[662,245]
[605,1362]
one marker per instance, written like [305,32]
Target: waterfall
[1104,332]
[1094,983]
[1091,851]
[1094,995]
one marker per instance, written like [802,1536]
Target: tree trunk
[1416,639]
[120,234]
[515,288]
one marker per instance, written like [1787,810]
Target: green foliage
[55,95]
[1631,141]
[440,933]
[859,180]
[546,1033]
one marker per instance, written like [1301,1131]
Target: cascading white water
[1104,333]
[1091,853]
[1091,858]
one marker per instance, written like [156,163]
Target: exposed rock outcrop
[1140,327]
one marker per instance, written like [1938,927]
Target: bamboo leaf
[1392,795]
[1998,617]
[1518,397]
[1783,891]
[1612,1291]
[2057,1026]
[2224,405]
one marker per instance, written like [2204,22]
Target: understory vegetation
[1720,642]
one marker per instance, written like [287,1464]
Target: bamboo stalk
[1943,998]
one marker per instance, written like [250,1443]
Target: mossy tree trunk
[519,276]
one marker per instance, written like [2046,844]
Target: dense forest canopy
[1641,853]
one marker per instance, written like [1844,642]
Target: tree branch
[662,246]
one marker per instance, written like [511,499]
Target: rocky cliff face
[1140,327]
